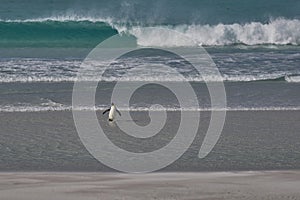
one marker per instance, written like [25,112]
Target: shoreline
[58,109]
[188,185]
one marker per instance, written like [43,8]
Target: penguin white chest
[111,114]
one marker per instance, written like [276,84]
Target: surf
[88,32]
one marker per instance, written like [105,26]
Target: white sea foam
[41,70]
[278,32]
[292,79]
[8,108]
[226,78]
[62,18]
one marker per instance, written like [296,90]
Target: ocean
[255,45]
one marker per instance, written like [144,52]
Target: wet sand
[251,140]
[203,185]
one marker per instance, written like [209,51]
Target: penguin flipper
[118,112]
[105,111]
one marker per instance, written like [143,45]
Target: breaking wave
[278,32]
[89,31]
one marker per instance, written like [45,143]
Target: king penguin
[112,111]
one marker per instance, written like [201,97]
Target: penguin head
[112,104]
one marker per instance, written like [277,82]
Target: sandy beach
[90,186]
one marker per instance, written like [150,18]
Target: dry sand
[211,185]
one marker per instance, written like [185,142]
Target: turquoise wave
[53,33]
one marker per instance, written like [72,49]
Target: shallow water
[250,140]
